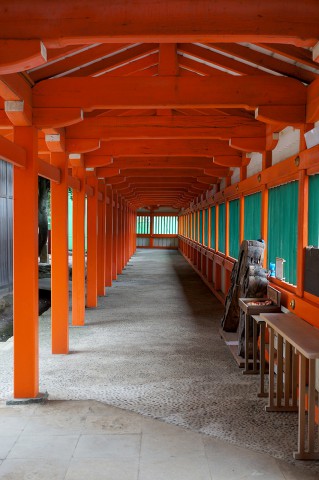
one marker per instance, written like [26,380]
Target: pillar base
[40,398]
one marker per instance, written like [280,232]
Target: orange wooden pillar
[101,240]
[78,250]
[92,234]
[115,239]
[123,233]
[108,236]
[127,246]
[25,268]
[59,257]
[119,237]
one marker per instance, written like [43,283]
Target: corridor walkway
[151,347]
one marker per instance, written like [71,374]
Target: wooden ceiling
[161,98]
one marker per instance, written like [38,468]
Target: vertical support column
[151,229]
[101,239]
[115,239]
[25,268]
[123,232]
[59,258]
[119,237]
[264,222]
[109,236]
[91,296]
[78,250]
[302,229]
[241,218]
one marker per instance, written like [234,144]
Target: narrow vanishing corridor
[152,347]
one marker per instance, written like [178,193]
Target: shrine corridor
[152,348]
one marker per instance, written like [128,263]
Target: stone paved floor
[152,347]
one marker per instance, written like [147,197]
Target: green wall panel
[206,227]
[252,220]
[222,228]
[234,228]
[283,227]
[313,211]
[201,226]
[212,227]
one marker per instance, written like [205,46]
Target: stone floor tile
[228,462]
[117,423]
[159,427]
[6,444]
[17,410]
[56,407]
[44,446]
[163,447]
[57,424]
[36,469]
[182,467]
[12,425]
[103,469]
[108,446]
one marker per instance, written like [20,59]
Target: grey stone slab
[228,462]
[162,447]
[6,444]
[183,467]
[57,424]
[36,469]
[44,446]
[12,425]
[103,469]
[108,446]
[119,423]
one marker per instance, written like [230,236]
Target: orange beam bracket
[18,55]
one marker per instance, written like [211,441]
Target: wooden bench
[302,343]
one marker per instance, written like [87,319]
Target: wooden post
[115,239]
[59,257]
[101,240]
[91,297]
[78,251]
[109,236]
[119,237]
[25,268]
[264,222]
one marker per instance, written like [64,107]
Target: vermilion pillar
[115,239]
[25,268]
[127,241]
[78,252]
[59,258]
[108,236]
[120,237]
[101,241]
[91,287]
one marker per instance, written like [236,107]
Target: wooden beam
[218,172]
[82,145]
[168,92]
[12,153]
[313,102]
[74,183]
[74,61]
[56,117]
[186,147]
[21,55]
[173,129]
[19,112]
[149,20]
[15,87]
[293,115]
[230,64]
[165,162]
[106,64]
[49,171]
[266,61]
